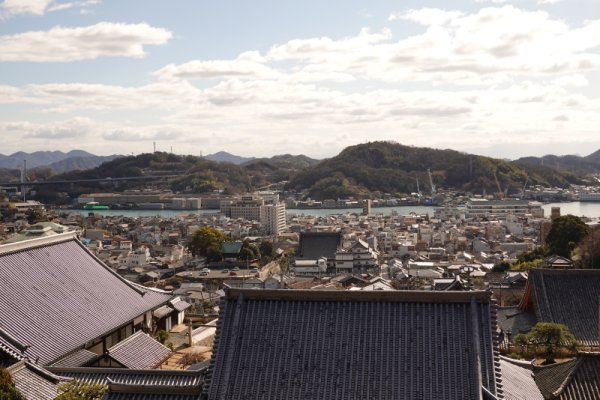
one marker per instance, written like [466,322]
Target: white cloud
[11,8]
[61,44]
[216,69]
[427,16]
[577,80]
[16,7]
[501,74]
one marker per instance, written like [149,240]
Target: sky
[257,78]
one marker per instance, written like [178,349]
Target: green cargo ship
[93,205]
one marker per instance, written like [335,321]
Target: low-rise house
[56,298]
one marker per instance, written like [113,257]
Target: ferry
[94,205]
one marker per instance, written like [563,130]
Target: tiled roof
[76,359]
[550,378]
[152,377]
[149,396]
[139,351]
[33,382]
[55,296]
[9,345]
[298,344]
[515,320]
[572,380]
[568,297]
[517,380]
[162,312]
[179,305]
[314,245]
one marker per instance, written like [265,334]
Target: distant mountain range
[281,160]
[57,161]
[581,165]
[223,156]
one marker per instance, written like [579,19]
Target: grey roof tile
[148,396]
[76,359]
[569,297]
[34,382]
[132,376]
[294,344]
[314,245]
[517,380]
[179,305]
[139,351]
[162,312]
[57,296]
[572,380]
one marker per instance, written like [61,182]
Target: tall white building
[263,207]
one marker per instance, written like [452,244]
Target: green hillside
[389,167]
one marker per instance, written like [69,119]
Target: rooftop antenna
[154,143]
[171,149]
[24,178]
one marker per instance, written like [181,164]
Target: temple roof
[568,297]
[56,297]
[297,344]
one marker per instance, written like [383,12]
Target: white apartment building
[263,207]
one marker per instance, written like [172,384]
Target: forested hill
[389,167]
[363,170]
[196,174]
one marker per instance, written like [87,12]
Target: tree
[8,391]
[204,239]
[501,266]
[266,248]
[76,390]
[35,215]
[249,251]
[162,336]
[549,337]
[565,234]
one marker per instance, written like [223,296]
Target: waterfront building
[478,208]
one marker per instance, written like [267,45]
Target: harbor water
[580,209]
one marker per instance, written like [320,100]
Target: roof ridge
[569,377]
[519,363]
[29,244]
[412,296]
[121,371]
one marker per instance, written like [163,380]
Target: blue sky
[494,77]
